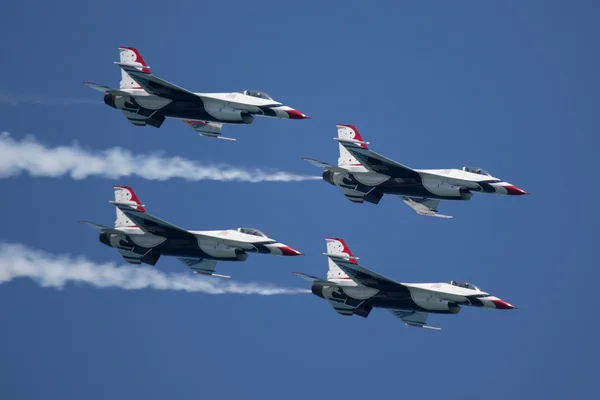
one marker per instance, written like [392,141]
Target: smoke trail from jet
[38,160]
[18,99]
[55,271]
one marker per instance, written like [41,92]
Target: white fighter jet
[146,99]
[364,175]
[354,290]
[143,238]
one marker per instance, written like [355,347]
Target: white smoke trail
[48,270]
[12,99]
[33,157]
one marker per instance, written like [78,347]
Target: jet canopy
[465,285]
[251,231]
[257,93]
[476,170]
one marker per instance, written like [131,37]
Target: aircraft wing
[202,266]
[363,275]
[151,224]
[376,162]
[413,318]
[424,206]
[157,86]
[207,129]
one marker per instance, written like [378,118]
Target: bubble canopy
[251,231]
[476,170]
[257,93]
[465,285]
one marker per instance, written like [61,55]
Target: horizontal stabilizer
[310,278]
[326,166]
[100,228]
[106,89]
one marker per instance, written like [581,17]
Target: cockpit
[251,231]
[256,93]
[476,170]
[465,285]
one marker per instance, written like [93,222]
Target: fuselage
[230,108]
[442,184]
[436,298]
[224,245]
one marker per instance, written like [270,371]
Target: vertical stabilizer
[131,56]
[348,132]
[338,246]
[125,194]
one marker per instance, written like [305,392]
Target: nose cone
[514,191]
[502,305]
[284,250]
[507,188]
[295,114]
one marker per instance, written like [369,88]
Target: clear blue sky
[510,86]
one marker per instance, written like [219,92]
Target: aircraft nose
[507,188]
[502,305]
[284,250]
[295,114]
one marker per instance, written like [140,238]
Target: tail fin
[338,246]
[348,132]
[125,194]
[131,56]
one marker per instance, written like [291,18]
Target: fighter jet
[364,175]
[146,99]
[144,238]
[354,290]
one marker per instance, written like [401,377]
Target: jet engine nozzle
[328,177]
[317,289]
[104,238]
[109,100]
[363,311]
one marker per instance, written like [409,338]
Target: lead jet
[354,290]
[146,99]
[364,175]
[144,238]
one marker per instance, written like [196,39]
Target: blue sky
[510,86]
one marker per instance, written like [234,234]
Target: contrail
[17,99]
[48,270]
[32,157]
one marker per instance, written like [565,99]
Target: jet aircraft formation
[361,174]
